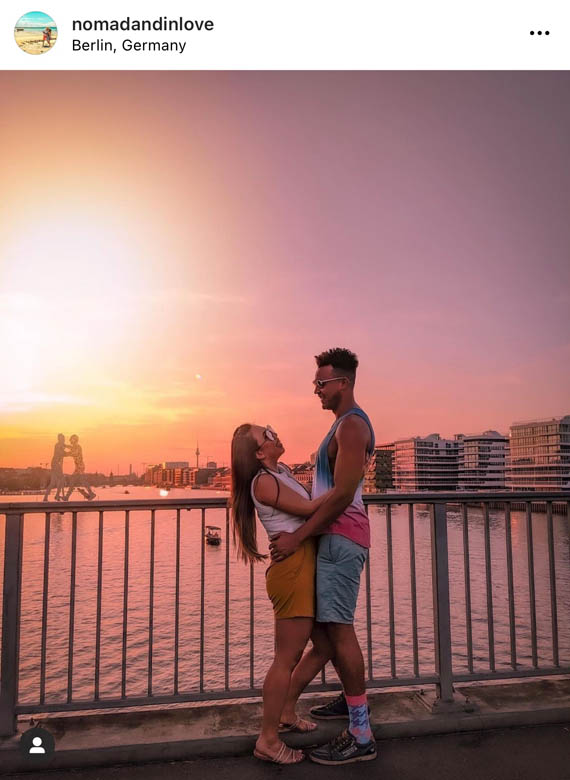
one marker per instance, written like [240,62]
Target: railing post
[10,623]
[446,698]
[441,612]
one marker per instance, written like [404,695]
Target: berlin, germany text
[129,45]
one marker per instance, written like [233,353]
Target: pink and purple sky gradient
[160,226]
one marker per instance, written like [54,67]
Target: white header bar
[293,35]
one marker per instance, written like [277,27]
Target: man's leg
[350,663]
[349,659]
[341,565]
[357,742]
[50,485]
[348,561]
[60,484]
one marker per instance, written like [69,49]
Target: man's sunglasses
[320,383]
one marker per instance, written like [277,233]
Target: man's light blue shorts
[339,565]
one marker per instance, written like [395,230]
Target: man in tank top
[341,523]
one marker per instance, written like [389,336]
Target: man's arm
[286,498]
[352,438]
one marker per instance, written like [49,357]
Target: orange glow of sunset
[178,246]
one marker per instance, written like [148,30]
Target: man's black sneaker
[336,708]
[344,749]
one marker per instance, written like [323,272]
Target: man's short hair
[342,360]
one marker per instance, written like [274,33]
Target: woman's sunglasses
[268,435]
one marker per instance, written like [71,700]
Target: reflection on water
[84,641]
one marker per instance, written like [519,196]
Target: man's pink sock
[359,725]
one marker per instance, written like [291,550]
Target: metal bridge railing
[443,674]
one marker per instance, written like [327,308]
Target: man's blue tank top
[353,523]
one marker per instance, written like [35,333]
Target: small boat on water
[213,535]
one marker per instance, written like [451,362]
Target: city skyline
[142,466]
[182,265]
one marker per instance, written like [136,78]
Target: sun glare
[69,296]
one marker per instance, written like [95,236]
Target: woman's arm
[289,501]
[316,502]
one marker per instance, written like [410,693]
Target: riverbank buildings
[540,455]
[534,456]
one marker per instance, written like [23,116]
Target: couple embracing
[318,545]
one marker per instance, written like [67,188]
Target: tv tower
[197,455]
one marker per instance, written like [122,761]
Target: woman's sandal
[300,726]
[285,755]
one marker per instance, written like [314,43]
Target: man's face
[330,393]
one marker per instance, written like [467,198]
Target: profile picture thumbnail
[35,32]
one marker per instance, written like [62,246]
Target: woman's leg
[308,667]
[291,636]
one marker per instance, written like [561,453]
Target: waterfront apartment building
[425,463]
[171,473]
[182,476]
[379,474]
[482,461]
[540,455]
[168,473]
[303,473]
[153,475]
[221,479]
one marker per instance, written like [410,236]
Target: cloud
[22,300]
[27,400]
[173,295]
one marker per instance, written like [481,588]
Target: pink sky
[163,225]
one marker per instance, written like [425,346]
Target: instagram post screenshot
[285,390]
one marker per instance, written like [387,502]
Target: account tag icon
[37,744]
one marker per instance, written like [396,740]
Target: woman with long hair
[260,482]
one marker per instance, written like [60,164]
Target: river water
[239,624]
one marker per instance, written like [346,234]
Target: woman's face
[268,442]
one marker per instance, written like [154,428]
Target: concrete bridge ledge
[224,729]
